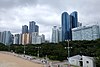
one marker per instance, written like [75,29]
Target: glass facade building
[20,38]
[6,37]
[68,22]
[0,37]
[36,28]
[55,34]
[16,39]
[66,27]
[74,19]
[60,34]
[32,26]
[24,29]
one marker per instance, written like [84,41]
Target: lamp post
[38,51]
[68,52]
[24,50]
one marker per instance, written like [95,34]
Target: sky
[46,13]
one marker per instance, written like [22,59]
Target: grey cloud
[88,10]
[6,4]
[46,13]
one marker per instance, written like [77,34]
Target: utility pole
[38,54]
[68,54]
[24,50]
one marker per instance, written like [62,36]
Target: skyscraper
[3,37]
[20,38]
[66,27]
[12,38]
[36,28]
[38,40]
[16,39]
[74,19]
[55,34]
[43,38]
[34,37]
[24,29]
[25,39]
[32,27]
[60,34]
[6,37]
[68,22]
[0,37]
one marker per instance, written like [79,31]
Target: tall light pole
[24,50]
[68,52]
[38,51]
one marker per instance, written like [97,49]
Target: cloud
[9,4]
[46,13]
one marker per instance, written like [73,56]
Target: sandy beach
[7,60]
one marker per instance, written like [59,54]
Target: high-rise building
[16,39]
[36,28]
[66,27]
[0,37]
[68,22]
[6,37]
[38,40]
[20,38]
[55,34]
[3,37]
[60,34]
[32,27]
[25,38]
[86,33]
[34,37]
[24,29]
[43,38]
[12,38]
[74,19]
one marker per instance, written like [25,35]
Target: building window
[87,61]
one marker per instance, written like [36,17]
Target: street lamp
[24,50]
[68,52]
[38,51]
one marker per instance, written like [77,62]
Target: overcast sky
[46,13]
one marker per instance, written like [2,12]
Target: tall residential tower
[32,26]
[55,34]
[24,29]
